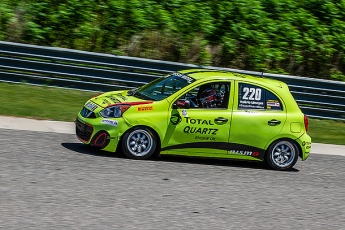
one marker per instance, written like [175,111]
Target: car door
[202,129]
[258,116]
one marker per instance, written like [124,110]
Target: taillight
[306,123]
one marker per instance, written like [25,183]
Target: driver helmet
[208,95]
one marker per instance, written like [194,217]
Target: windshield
[163,87]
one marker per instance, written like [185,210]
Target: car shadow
[85,149]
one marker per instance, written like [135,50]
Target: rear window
[255,97]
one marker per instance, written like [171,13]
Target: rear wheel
[139,143]
[282,155]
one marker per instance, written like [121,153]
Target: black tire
[282,154]
[139,143]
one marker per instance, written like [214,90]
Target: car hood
[117,97]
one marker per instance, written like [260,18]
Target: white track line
[328,149]
[36,125]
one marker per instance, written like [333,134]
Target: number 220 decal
[251,94]
[251,97]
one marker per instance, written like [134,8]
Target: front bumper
[92,131]
[83,131]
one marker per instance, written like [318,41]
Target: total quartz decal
[199,130]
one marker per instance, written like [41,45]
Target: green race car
[200,112]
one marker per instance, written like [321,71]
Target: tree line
[305,38]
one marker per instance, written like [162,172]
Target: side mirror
[181,103]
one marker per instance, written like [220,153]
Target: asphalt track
[48,180]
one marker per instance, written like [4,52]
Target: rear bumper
[304,142]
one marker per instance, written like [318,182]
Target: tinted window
[210,95]
[164,87]
[272,102]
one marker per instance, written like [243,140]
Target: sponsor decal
[109,122]
[199,130]
[244,152]
[113,99]
[190,120]
[175,119]
[196,130]
[189,79]
[306,144]
[146,108]
[121,96]
[205,138]
[184,112]
[273,103]
[91,106]
[106,101]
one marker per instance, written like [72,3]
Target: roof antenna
[262,74]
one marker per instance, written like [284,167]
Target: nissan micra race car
[200,112]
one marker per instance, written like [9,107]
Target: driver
[209,97]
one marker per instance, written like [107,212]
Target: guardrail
[68,68]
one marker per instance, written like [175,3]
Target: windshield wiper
[132,91]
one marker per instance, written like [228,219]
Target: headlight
[114,111]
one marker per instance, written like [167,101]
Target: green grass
[22,100]
[327,131]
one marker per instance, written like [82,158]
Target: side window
[272,102]
[255,97]
[210,95]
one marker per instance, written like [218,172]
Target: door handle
[274,122]
[221,119]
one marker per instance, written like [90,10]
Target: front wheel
[139,143]
[282,155]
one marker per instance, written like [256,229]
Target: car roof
[200,74]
